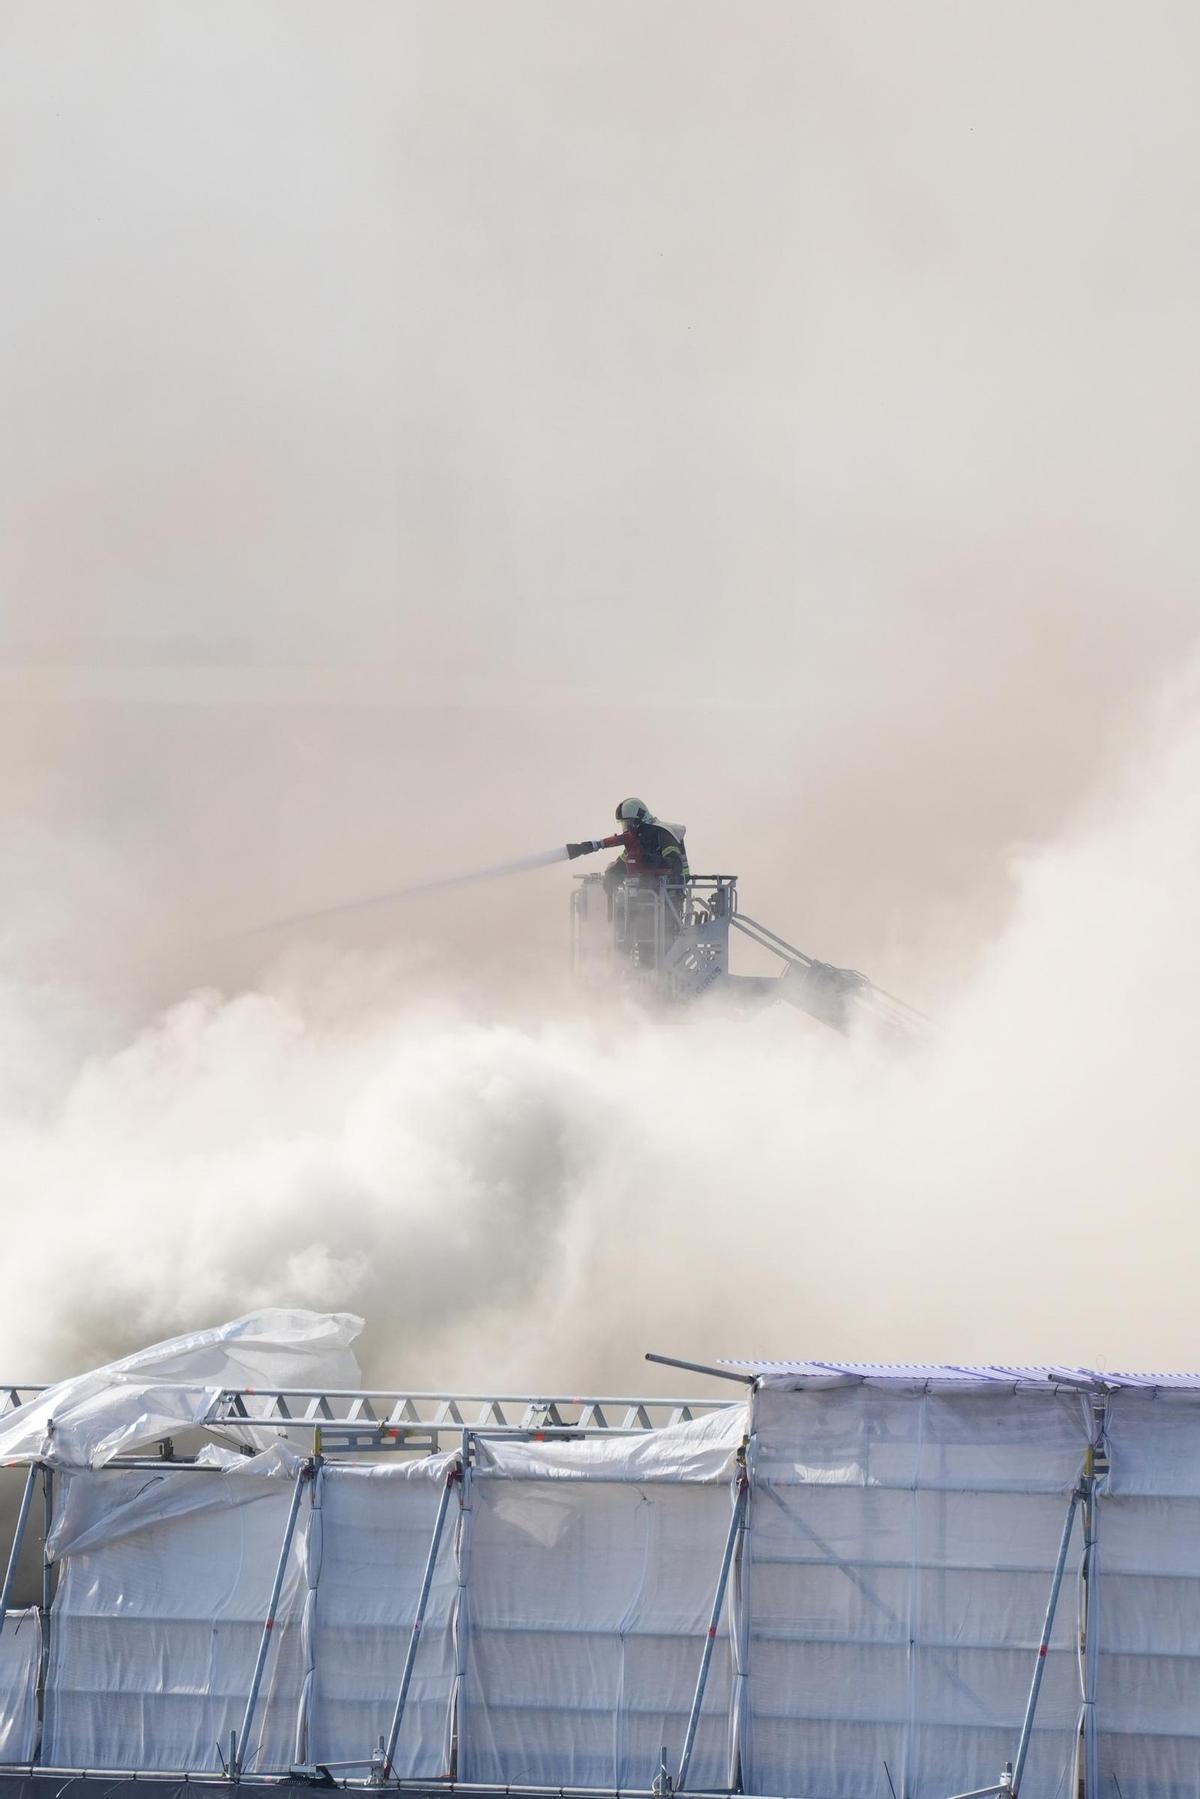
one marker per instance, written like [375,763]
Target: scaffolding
[338,1427]
[376,1422]
[752,1481]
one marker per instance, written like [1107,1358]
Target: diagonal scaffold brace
[1009,1784]
[240,1742]
[14,1553]
[1039,1667]
[453,1475]
[714,1619]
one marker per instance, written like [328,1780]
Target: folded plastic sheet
[902,1544]
[703,1449]
[592,1570]
[165,1582]
[133,1403]
[375,1530]
[1148,1674]
[94,1514]
[20,1656]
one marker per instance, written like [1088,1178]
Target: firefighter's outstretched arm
[593,844]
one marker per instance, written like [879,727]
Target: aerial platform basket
[670,940]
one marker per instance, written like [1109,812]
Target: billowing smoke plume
[521,1201]
[422,430]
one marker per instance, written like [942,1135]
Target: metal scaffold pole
[714,1618]
[452,1475]
[313,1552]
[740,1602]
[238,1749]
[1091,1630]
[1039,1669]
[10,1573]
[48,1584]
[462,1553]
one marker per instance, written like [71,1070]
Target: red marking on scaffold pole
[1043,1649]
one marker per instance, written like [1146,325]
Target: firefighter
[647,845]
[652,858]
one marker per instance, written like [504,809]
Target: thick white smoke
[540,1202]
[424,425]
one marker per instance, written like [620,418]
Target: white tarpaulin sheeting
[592,1569]
[1148,1678]
[165,1584]
[885,1618]
[131,1404]
[902,1545]
[164,1587]
[704,1449]
[20,1655]
[369,1552]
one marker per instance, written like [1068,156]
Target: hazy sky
[422,425]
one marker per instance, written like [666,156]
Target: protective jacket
[648,849]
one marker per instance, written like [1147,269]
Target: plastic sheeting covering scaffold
[878,1637]
[165,1586]
[1148,1676]
[20,1657]
[165,1582]
[902,1547]
[592,1573]
[372,1529]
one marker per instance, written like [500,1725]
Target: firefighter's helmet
[634,812]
